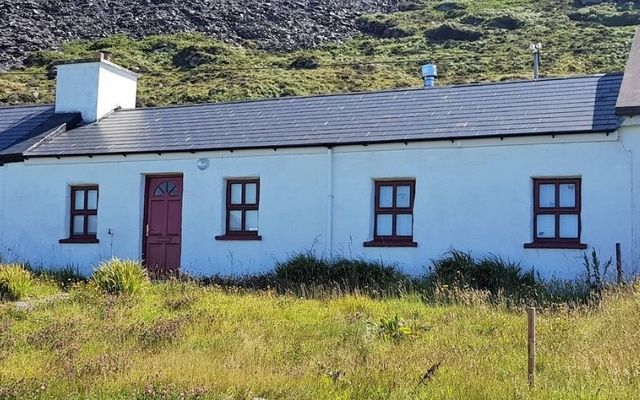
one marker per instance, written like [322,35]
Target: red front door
[163,224]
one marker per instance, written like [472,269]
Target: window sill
[389,243]
[79,240]
[239,237]
[555,245]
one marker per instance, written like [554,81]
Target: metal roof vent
[429,74]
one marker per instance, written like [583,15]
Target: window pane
[236,193]
[569,226]
[78,225]
[92,199]
[251,223]
[568,195]
[403,196]
[172,189]
[547,195]
[92,224]
[385,225]
[404,225]
[235,220]
[251,191]
[546,226]
[79,201]
[386,197]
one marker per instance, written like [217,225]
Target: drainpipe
[329,200]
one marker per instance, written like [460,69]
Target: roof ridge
[394,90]
[28,105]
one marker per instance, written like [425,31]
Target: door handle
[147,230]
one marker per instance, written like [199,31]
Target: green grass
[116,276]
[219,71]
[179,340]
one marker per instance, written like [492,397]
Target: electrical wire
[355,63]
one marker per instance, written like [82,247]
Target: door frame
[145,215]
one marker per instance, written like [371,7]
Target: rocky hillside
[218,50]
[276,25]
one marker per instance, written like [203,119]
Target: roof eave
[325,144]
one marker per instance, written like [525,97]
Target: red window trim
[557,242]
[241,234]
[85,237]
[392,240]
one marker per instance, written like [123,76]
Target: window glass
[251,222]
[385,225]
[403,196]
[546,226]
[92,199]
[78,225]
[250,193]
[92,224]
[236,193]
[547,195]
[161,189]
[386,196]
[235,220]
[404,225]
[568,195]
[79,200]
[569,226]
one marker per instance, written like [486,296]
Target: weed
[391,329]
[595,269]
[15,282]
[65,277]
[117,276]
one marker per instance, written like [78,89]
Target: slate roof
[549,106]
[22,127]
[629,99]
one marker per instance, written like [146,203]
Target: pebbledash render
[535,171]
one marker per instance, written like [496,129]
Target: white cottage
[536,171]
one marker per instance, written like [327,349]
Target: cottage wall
[473,195]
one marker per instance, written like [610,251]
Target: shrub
[15,282]
[304,62]
[490,273]
[446,32]
[116,276]
[382,27]
[508,22]
[341,273]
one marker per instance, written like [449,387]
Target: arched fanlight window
[165,188]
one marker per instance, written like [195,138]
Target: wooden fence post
[619,272]
[531,318]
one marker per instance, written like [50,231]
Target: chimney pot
[107,55]
[99,56]
[429,74]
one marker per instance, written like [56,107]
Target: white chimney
[94,88]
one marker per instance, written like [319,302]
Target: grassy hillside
[181,341]
[470,41]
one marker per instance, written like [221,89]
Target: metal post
[535,48]
[531,318]
[619,272]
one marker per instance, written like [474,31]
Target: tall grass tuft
[64,277]
[116,276]
[307,272]
[15,282]
[490,273]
